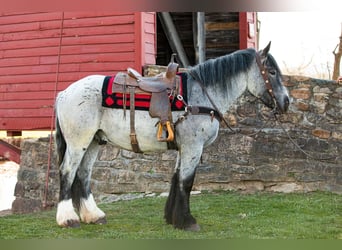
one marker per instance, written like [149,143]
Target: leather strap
[133,136]
[220,115]
[264,74]
[200,110]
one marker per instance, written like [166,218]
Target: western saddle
[160,87]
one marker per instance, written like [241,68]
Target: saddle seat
[155,84]
[160,87]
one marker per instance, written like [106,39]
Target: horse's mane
[219,71]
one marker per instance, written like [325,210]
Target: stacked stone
[259,158]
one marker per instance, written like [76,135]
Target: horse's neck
[222,99]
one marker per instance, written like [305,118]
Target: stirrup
[170,136]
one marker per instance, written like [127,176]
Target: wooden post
[338,56]
[201,36]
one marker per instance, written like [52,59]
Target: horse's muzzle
[283,105]
[279,104]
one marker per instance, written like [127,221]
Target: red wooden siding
[92,43]
[248,30]
[149,39]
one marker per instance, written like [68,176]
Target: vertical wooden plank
[248,30]
[138,53]
[243,30]
[252,30]
[150,31]
[145,39]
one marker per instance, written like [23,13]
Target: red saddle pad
[142,101]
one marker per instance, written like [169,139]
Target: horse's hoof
[71,224]
[101,221]
[193,228]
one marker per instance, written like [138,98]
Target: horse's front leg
[177,208]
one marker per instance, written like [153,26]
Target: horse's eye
[272,72]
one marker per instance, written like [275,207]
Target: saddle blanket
[142,100]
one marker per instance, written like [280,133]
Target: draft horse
[80,118]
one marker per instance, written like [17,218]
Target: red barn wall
[92,43]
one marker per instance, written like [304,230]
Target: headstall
[264,74]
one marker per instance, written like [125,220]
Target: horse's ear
[264,52]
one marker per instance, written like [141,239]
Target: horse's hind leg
[66,215]
[89,212]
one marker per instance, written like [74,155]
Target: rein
[215,111]
[296,144]
[264,73]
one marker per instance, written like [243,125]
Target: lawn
[221,215]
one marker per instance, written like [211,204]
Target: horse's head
[270,89]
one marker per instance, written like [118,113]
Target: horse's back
[92,81]
[87,89]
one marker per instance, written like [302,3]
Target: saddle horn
[172,68]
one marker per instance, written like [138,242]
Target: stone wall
[260,157]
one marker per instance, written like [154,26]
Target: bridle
[264,73]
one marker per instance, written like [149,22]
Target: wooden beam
[222,26]
[243,30]
[10,151]
[173,38]
[13,133]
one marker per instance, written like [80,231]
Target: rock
[164,194]
[321,97]
[302,93]
[302,106]
[321,133]
[169,155]
[286,188]
[195,192]
[26,205]
[337,135]
[108,153]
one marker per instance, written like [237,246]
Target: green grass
[222,215]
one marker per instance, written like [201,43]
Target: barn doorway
[221,35]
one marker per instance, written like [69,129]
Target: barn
[42,53]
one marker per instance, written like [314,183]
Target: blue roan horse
[80,119]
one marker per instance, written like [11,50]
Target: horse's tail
[60,143]
[76,188]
